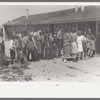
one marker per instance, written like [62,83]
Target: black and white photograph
[49,43]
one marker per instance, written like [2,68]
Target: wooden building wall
[83,26]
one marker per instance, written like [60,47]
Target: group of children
[33,46]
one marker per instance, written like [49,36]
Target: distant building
[82,18]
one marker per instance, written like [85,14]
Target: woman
[74,44]
[80,46]
[66,45]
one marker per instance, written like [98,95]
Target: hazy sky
[9,12]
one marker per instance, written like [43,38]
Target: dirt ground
[53,71]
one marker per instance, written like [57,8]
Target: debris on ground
[14,73]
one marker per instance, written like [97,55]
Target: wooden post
[97,41]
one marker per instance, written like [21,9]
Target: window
[72,26]
[81,26]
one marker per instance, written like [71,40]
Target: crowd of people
[78,45]
[38,45]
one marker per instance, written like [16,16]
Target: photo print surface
[49,43]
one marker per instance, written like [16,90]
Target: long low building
[82,18]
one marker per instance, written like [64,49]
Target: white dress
[79,42]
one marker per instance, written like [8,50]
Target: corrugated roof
[89,13]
